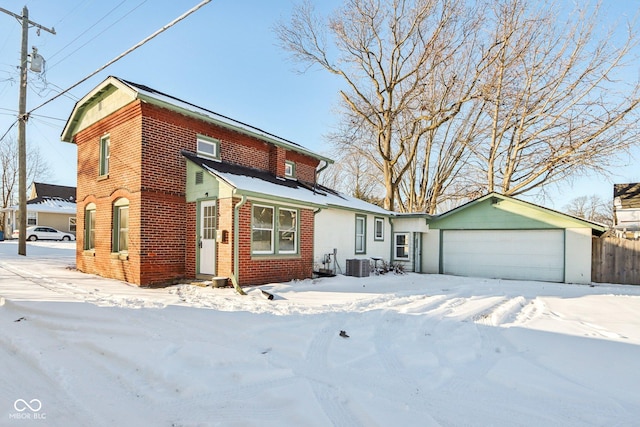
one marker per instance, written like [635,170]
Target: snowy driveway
[422,350]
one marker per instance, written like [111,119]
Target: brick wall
[257,270]
[146,168]
[224,250]
[124,129]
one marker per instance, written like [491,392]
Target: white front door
[207,238]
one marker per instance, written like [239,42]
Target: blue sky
[224,57]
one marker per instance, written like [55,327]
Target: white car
[38,232]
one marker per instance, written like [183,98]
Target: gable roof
[41,190]
[135,91]
[496,198]
[258,183]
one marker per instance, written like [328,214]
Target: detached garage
[497,236]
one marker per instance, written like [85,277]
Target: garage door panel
[508,254]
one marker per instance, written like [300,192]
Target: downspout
[392,245]
[315,184]
[236,233]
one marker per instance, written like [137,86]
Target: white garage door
[504,254]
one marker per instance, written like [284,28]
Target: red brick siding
[190,240]
[257,270]
[277,158]
[224,250]
[305,166]
[146,167]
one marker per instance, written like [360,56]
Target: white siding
[578,255]
[335,229]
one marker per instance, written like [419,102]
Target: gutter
[236,244]
[326,165]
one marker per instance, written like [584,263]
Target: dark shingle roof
[50,191]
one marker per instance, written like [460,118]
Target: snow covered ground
[422,350]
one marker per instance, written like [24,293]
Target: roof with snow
[41,190]
[254,182]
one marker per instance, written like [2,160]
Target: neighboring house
[626,210]
[497,236]
[47,205]
[169,191]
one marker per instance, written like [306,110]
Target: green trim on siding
[495,211]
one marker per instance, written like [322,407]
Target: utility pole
[22,125]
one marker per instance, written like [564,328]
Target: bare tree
[354,175]
[553,104]
[450,99]
[37,168]
[385,51]
[591,208]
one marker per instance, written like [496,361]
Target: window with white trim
[378,233]
[72,224]
[274,230]
[262,230]
[289,169]
[208,147]
[121,226]
[361,234]
[287,231]
[401,246]
[32,218]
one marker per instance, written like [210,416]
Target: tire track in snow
[330,399]
[30,353]
[500,312]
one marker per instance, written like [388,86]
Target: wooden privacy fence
[615,260]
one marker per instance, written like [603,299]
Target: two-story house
[168,190]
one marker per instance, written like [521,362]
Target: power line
[125,53]
[10,127]
[84,32]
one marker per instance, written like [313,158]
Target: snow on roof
[49,205]
[256,182]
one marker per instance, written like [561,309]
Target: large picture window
[274,230]
[361,234]
[90,227]
[105,154]
[121,226]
